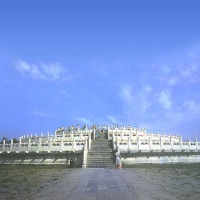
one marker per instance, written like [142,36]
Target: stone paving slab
[103,183]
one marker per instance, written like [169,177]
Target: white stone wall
[161,159]
[125,139]
[134,139]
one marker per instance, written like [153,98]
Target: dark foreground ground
[177,181]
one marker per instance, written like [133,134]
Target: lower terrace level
[136,146]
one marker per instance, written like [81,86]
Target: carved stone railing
[85,153]
[42,146]
[152,145]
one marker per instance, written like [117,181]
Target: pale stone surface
[139,182]
[127,139]
[103,184]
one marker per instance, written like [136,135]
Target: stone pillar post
[171,142]
[49,144]
[77,127]
[117,146]
[89,142]
[196,143]
[20,142]
[94,131]
[160,136]
[11,145]
[48,136]
[113,140]
[81,134]
[138,141]
[113,133]
[39,145]
[63,134]
[129,143]
[145,131]
[55,136]
[188,139]
[90,134]
[72,135]
[150,144]
[3,145]
[136,130]
[180,141]
[29,144]
[131,132]
[113,136]
[73,145]
[122,134]
[85,152]
[61,144]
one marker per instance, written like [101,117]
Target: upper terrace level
[74,138]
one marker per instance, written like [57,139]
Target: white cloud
[66,94]
[138,101]
[192,106]
[99,69]
[126,93]
[189,71]
[173,81]
[144,101]
[23,66]
[166,69]
[40,113]
[112,119]
[147,89]
[43,71]
[164,99]
[84,120]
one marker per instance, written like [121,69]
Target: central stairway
[100,155]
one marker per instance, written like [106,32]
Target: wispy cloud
[144,98]
[126,92]
[192,106]
[40,113]
[173,80]
[99,69]
[43,71]
[164,99]
[112,119]
[188,71]
[137,100]
[147,89]
[84,120]
[66,94]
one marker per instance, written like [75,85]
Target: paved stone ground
[103,184]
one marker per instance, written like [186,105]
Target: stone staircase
[100,155]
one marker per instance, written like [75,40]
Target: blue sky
[105,62]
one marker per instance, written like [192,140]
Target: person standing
[118,160]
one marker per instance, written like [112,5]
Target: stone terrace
[103,183]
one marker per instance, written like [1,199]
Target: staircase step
[101,166]
[100,155]
[99,159]
[100,162]
[100,152]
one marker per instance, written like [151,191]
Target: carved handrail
[85,152]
